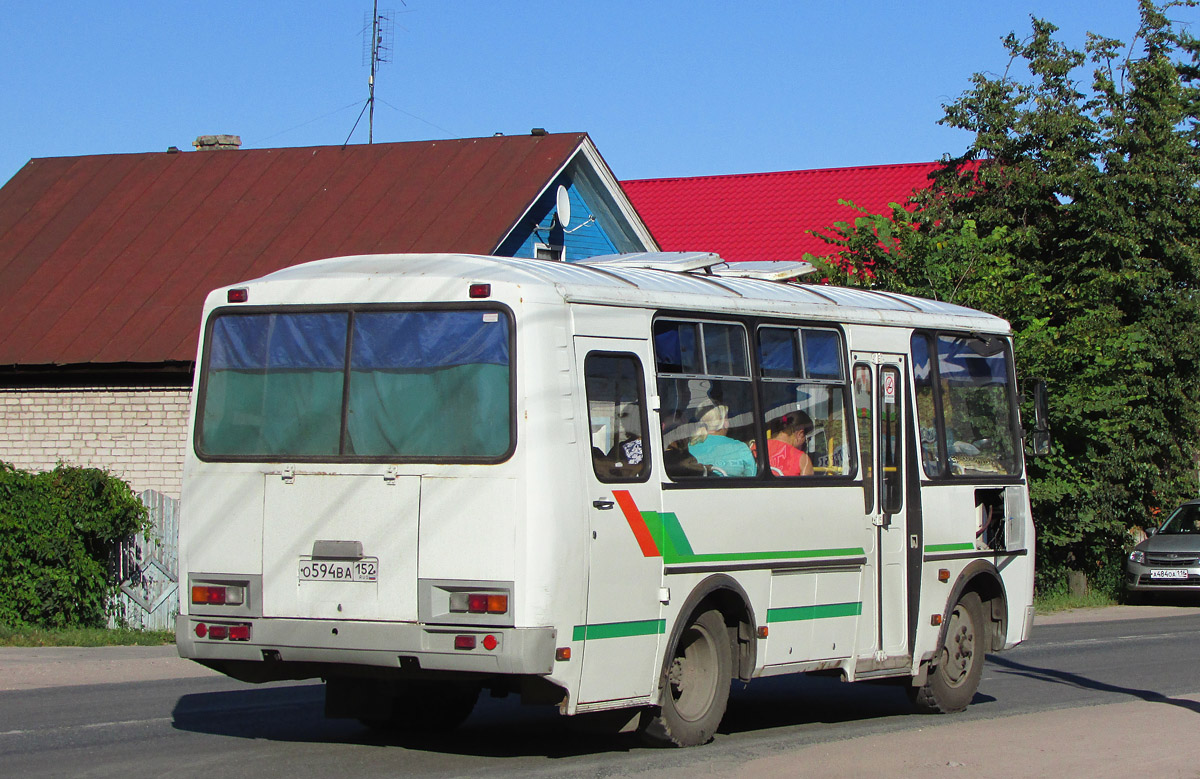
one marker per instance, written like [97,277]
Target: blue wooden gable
[597,225]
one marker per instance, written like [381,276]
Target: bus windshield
[965,405]
[329,385]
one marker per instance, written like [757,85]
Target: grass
[27,636]
[1062,601]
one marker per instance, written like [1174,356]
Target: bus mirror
[1041,418]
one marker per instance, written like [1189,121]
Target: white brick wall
[137,433]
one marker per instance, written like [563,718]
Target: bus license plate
[1168,573]
[364,570]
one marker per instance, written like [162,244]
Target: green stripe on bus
[646,627]
[667,533]
[678,541]
[735,557]
[967,547]
[823,611]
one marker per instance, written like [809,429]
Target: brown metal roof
[107,258]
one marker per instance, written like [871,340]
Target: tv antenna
[378,34]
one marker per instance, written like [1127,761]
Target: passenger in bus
[786,442]
[677,460]
[711,446]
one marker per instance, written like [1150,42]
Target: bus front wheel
[958,665]
[695,685]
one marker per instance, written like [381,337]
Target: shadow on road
[1080,681]
[504,728]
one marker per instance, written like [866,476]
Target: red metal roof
[107,258]
[767,216]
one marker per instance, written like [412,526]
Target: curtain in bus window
[977,417]
[429,384]
[822,354]
[675,347]
[777,353]
[725,350]
[274,385]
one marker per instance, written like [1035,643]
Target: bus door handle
[603,504]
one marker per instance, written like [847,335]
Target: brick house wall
[136,433]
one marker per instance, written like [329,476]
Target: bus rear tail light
[238,632]
[464,642]
[479,602]
[480,290]
[218,595]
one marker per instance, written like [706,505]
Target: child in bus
[711,446]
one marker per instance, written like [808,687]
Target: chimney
[216,142]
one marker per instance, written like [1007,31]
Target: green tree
[1075,214]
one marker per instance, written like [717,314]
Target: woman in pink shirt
[785,446]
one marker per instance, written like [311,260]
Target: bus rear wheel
[695,685]
[958,665]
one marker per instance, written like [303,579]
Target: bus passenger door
[879,405]
[624,622]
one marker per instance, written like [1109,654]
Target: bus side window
[707,399]
[803,397]
[891,444]
[862,411]
[616,417]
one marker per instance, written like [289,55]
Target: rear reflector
[464,642]
[490,642]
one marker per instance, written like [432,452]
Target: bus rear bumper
[297,649]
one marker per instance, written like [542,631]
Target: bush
[59,532]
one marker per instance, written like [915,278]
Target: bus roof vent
[680,262]
[767,270]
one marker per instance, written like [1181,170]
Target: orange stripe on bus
[636,523]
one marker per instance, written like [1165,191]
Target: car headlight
[1137,556]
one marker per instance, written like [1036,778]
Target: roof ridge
[767,173]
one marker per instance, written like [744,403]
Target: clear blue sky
[664,87]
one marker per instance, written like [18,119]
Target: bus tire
[427,706]
[958,665]
[694,686]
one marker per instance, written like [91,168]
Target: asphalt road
[210,725]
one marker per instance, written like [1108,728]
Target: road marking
[89,725]
[1111,639]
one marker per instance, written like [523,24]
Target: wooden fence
[148,570]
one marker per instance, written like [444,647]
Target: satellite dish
[563,206]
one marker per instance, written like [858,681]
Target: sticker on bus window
[491,317]
[889,388]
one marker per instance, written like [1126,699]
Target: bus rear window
[388,385]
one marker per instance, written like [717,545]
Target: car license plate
[364,570]
[1168,573]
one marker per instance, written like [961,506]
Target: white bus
[617,484]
